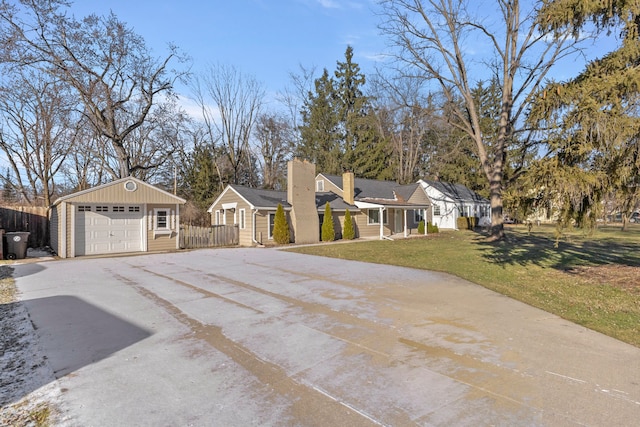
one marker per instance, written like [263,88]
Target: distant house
[385,207]
[451,201]
[126,215]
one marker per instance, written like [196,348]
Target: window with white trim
[436,210]
[162,219]
[102,208]
[319,185]
[373,216]
[134,208]
[117,209]
[82,208]
[241,222]
[272,221]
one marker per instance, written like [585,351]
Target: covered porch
[395,220]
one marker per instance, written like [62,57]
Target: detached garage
[127,215]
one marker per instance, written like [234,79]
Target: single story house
[385,208]
[451,201]
[378,208]
[126,215]
[254,210]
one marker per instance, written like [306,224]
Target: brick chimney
[348,187]
[301,195]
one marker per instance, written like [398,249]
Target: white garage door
[104,229]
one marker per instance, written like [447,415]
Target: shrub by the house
[421,227]
[349,232]
[328,232]
[432,228]
[281,227]
[467,222]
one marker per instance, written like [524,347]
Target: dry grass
[25,412]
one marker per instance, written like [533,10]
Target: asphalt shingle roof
[262,198]
[336,202]
[457,192]
[368,188]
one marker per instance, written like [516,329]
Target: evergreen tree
[339,128]
[328,231]
[591,123]
[199,175]
[281,227]
[366,151]
[349,232]
[9,194]
[320,141]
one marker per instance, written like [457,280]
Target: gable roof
[367,188]
[386,193]
[336,202]
[269,199]
[456,192]
[115,192]
[256,197]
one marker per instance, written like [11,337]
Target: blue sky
[267,39]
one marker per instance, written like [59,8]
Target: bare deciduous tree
[230,104]
[112,71]
[405,115]
[274,140]
[439,38]
[38,129]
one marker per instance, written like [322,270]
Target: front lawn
[592,280]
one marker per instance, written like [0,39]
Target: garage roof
[127,190]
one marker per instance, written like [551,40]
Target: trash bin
[17,244]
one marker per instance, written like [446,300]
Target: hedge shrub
[348,233]
[281,227]
[467,222]
[328,232]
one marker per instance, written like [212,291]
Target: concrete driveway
[238,337]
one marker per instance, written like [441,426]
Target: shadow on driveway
[73,332]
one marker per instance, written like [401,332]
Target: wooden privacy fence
[27,218]
[192,237]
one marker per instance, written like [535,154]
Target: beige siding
[262,227]
[232,218]
[162,241]
[373,230]
[329,186]
[116,193]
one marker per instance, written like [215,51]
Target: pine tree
[320,141]
[592,145]
[281,227]
[366,150]
[328,232]
[348,233]
[8,193]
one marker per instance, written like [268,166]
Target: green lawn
[582,278]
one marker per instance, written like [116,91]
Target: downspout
[253,226]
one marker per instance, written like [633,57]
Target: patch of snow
[27,382]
